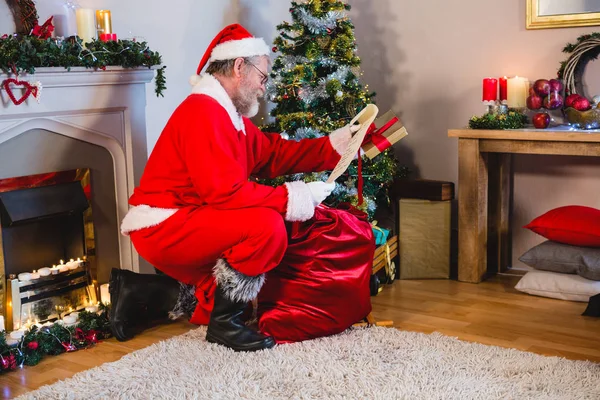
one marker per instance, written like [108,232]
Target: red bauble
[553,101]
[69,346]
[542,87]
[541,120]
[274,49]
[581,104]
[571,99]
[32,345]
[534,102]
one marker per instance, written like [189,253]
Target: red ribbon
[375,135]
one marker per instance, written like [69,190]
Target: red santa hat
[232,42]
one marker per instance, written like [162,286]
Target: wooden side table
[484,189]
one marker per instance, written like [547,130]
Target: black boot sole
[267,343]
[117,327]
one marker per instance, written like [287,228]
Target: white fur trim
[339,139]
[195,79]
[240,48]
[144,216]
[236,286]
[300,206]
[210,86]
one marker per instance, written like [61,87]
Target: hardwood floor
[491,312]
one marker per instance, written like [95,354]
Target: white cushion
[558,286]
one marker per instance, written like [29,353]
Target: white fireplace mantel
[105,108]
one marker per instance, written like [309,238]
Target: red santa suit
[196,208]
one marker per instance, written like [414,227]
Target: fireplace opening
[48,252]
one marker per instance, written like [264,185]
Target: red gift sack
[321,286]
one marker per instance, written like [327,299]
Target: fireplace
[89,125]
[46,219]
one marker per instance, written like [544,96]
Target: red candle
[490,89]
[105,37]
[503,89]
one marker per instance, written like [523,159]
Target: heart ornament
[29,89]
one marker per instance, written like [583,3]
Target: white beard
[253,110]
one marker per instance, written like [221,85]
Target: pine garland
[20,53]
[511,120]
[37,343]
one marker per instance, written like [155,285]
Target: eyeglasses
[265,77]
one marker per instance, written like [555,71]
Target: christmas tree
[315,86]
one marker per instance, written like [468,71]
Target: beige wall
[424,59]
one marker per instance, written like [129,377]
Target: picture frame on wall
[544,14]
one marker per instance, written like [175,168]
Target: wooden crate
[379,259]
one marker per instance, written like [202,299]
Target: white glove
[319,191]
[341,137]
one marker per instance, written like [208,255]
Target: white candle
[44,271]
[35,275]
[91,309]
[86,24]
[69,319]
[75,314]
[1,323]
[55,270]
[24,276]
[104,294]
[517,89]
[62,267]
[17,334]
[72,264]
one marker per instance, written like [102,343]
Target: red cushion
[574,225]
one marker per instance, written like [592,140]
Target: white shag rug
[363,363]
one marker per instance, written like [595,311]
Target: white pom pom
[195,79]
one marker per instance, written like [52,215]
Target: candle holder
[492,107]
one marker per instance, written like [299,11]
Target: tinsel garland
[20,53]
[316,89]
[511,120]
[55,339]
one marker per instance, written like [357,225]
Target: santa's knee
[269,227]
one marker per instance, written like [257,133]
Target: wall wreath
[571,71]
[25,15]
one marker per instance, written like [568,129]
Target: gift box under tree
[382,134]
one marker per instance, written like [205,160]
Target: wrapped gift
[382,134]
[380,234]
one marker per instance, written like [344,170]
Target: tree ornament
[274,49]
[32,345]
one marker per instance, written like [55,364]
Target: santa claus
[196,215]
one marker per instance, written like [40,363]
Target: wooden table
[485,194]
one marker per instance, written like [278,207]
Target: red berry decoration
[32,345]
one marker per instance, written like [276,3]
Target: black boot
[226,327]
[138,300]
